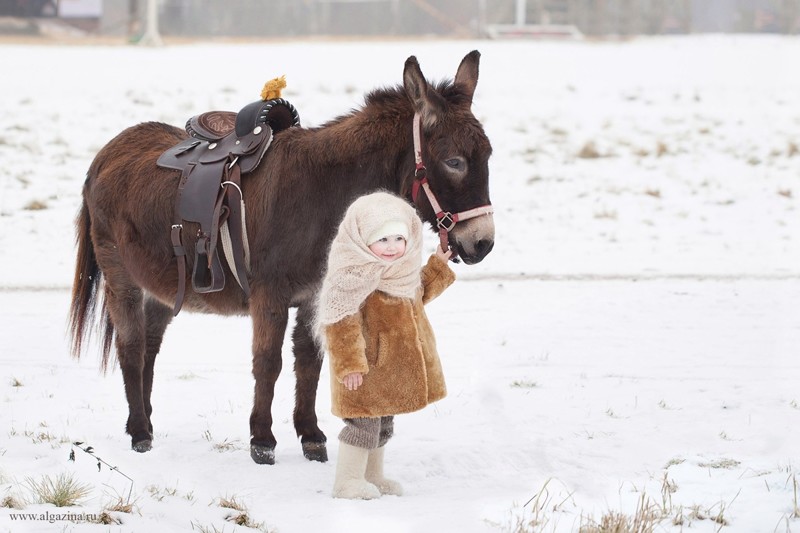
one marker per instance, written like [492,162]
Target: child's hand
[443,255]
[353,381]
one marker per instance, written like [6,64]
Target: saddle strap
[180,255]
[234,230]
[177,242]
[228,223]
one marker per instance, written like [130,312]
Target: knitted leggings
[369,433]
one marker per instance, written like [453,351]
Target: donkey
[295,200]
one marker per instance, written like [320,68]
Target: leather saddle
[222,147]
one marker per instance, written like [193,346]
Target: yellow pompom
[272,89]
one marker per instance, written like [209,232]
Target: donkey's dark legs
[157,317]
[269,326]
[307,365]
[124,303]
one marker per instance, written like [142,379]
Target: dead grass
[541,513]
[231,503]
[35,205]
[643,520]
[589,151]
[106,519]
[227,446]
[159,494]
[606,214]
[12,502]
[720,463]
[61,491]
[121,506]
[241,516]
[117,506]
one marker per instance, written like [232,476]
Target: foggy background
[447,18]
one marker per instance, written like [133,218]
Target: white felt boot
[350,468]
[375,474]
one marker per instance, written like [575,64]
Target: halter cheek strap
[445,220]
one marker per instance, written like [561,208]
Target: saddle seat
[221,148]
[214,125]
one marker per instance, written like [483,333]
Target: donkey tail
[85,292]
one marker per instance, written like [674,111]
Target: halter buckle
[446,222]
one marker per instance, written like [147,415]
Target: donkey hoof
[143,446]
[263,455]
[315,451]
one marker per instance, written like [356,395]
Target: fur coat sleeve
[391,342]
[436,277]
[346,346]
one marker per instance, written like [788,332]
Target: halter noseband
[445,220]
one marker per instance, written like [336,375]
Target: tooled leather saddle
[222,147]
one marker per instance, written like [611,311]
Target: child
[372,322]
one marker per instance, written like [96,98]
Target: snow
[634,334]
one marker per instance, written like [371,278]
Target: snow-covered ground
[633,337]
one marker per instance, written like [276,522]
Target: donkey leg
[125,307]
[157,317]
[269,325]
[307,365]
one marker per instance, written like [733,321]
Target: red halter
[445,220]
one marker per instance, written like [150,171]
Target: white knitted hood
[354,272]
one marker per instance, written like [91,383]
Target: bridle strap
[445,220]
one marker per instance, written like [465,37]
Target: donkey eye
[455,163]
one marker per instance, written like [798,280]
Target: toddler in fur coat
[371,320]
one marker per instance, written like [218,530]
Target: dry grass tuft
[644,520]
[63,491]
[35,205]
[106,519]
[12,502]
[589,151]
[720,463]
[241,517]
[227,446]
[232,503]
[606,214]
[120,506]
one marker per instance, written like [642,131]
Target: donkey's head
[455,152]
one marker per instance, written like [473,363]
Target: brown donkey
[295,200]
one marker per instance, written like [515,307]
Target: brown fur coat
[391,342]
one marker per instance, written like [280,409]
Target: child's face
[389,248]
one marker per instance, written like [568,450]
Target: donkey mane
[394,101]
[451,92]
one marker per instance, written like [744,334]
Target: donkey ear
[467,73]
[425,100]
